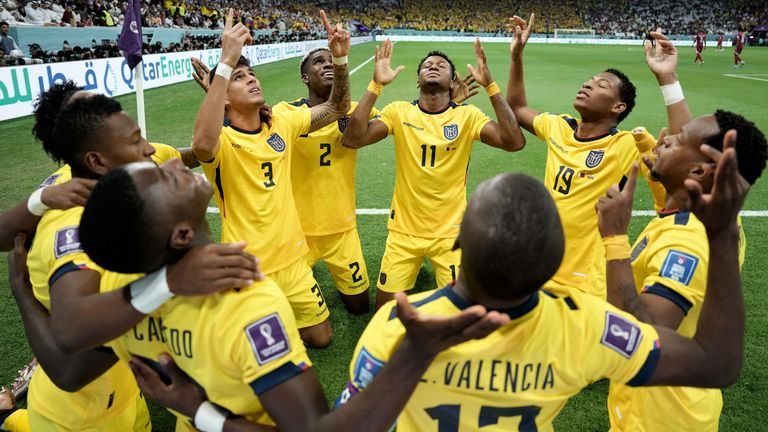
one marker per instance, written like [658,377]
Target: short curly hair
[751,147]
[47,108]
[627,92]
[77,125]
[438,54]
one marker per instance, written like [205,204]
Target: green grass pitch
[554,74]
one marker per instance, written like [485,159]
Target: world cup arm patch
[268,339]
[679,267]
[621,335]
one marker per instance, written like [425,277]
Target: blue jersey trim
[646,372]
[452,104]
[461,304]
[244,131]
[575,126]
[276,377]
[669,294]
[682,218]
[432,297]
[64,269]
[300,102]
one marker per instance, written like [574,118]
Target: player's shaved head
[305,59]
[116,227]
[511,238]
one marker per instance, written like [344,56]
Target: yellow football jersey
[251,176]
[236,344]
[163,153]
[432,153]
[323,176]
[520,376]
[56,251]
[671,259]
[579,172]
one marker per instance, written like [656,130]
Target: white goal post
[582,33]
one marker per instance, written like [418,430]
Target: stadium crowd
[292,20]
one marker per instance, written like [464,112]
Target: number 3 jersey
[432,157]
[251,176]
[520,376]
[578,173]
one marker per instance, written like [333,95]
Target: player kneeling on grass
[662,280]
[433,143]
[241,347]
[585,155]
[521,376]
[249,163]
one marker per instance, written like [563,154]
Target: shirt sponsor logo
[276,142]
[679,267]
[557,146]
[639,248]
[268,339]
[343,122]
[621,335]
[594,158]
[451,131]
[67,241]
[366,368]
[410,125]
[49,181]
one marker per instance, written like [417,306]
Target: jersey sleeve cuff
[278,376]
[646,371]
[64,269]
[669,294]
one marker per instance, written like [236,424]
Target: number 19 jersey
[578,172]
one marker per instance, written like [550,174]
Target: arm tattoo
[632,303]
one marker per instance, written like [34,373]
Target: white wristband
[224,71]
[35,203]
[150,292]
[339,61]
[672,93]
[210,418]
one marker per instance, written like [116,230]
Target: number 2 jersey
[432,153]
[578,173]
[521,375]
[323,176]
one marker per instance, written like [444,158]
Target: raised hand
[212,268]
[174,389]
[614,210]
[431,334]
[18,272]
[481,73]
[383,72]
[200,72]
[463,88]
[719,209]
[72,193]
[663,59]
[522,31]
[233,39]
[338,38]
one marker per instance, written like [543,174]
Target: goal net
[583,33]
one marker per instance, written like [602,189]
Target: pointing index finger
[230,19]
[326,23]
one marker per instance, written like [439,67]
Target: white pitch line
[746,77]
[360,66]
[383,211]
